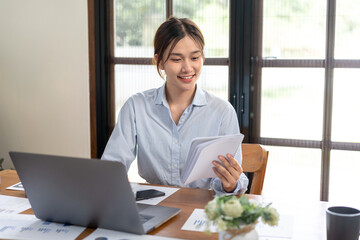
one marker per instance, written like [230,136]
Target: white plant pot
[230,235]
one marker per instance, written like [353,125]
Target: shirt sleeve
[230,125]
[122,142]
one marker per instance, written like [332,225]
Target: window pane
[294,29]
[213,19]
[292,103]
[215,80]
[135,25]
[344,177]
[346,108]
[347,32]
[131,79]
[294,171]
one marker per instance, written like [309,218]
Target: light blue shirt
[145,128]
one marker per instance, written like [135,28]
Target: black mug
[342,223]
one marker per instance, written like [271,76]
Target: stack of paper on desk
[206,149]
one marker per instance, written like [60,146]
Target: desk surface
[308,219]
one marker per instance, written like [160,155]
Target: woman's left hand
[228,172]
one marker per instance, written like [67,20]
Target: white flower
[221,224]
[226,212]
[232,208]
[211,210]
[270,216]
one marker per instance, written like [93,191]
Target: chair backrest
[254,161]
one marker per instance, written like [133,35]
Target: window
[135,24]
[306,76]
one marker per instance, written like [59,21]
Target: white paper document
[197,220]
[10,204]
[24,226]
[206,149]
[103,234]
[18,186]
[153,201]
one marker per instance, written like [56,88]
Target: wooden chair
[254,161]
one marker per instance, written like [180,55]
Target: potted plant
[236,218]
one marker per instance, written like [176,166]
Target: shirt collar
[161,95]
[199,98]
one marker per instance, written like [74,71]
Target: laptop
[86,192]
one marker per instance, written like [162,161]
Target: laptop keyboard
[145,218]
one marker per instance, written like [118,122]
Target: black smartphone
[150,193]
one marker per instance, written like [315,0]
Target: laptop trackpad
[155,215]
[145,218]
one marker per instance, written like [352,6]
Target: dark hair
[170,33]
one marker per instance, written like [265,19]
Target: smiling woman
[182,70]
[158,125]
[178,54]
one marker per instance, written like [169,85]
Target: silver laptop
[87,192]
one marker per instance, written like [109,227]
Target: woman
[159,124]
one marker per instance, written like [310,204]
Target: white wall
[44,78]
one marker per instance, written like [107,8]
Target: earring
[163,75]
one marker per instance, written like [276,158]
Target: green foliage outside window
[136,21]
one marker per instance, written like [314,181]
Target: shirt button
[175,141]
[175,165]
[182,120]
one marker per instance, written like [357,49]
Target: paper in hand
[206,149]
